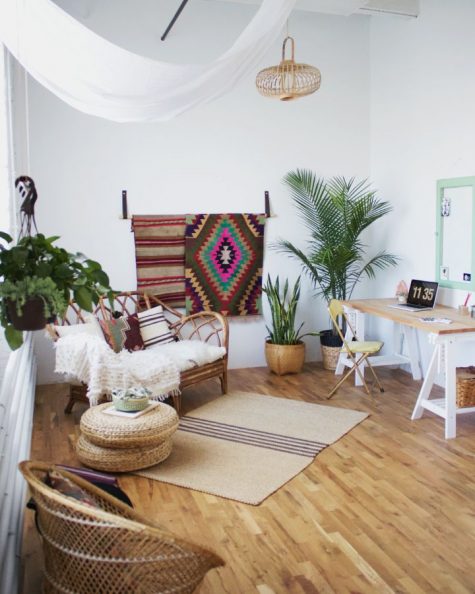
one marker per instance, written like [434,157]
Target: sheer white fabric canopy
[99,78]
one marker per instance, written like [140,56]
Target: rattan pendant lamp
[289,80]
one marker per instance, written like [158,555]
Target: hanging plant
[35,268]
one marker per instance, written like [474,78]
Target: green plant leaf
[83,298]
[19,256]
[62,271]
[101,277]
[111,295]
[6,237]
[13,337]
[93,265]
[43,269]
[52,239]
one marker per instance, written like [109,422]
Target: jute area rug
[245,446]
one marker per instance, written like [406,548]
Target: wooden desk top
[380,307]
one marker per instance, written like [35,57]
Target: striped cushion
[154,327]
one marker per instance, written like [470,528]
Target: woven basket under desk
[465,387]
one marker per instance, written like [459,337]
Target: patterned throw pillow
[115,332]
[123,333]
[154,327]
[133,338]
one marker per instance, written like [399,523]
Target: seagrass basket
[465,387]
[330,356]
[283,359]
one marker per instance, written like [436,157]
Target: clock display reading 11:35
[422,293]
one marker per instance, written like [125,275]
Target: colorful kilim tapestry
[160,256]
[223,267]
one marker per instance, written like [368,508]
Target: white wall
[422,129]
[217,158]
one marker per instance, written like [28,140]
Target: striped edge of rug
[261,439]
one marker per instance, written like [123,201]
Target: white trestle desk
[443,336]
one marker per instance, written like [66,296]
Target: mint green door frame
[442,184]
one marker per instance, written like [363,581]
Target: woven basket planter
[330,357]
[465,387]
[285,358]
[331,347]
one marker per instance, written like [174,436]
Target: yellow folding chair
[356,350]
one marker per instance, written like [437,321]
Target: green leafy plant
[21,291]
[283,306]
[35,267]
[336,213]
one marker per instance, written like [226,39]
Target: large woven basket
[465,387]
[285,358]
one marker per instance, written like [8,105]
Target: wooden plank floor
[388,508]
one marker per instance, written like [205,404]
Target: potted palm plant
[284,350]
[336,213]
[39,279]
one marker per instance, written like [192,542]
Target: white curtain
[6,154]
[102,79]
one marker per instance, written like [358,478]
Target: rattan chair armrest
[204,326]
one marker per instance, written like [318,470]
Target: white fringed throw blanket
[90,360]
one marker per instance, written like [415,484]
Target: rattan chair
[357,351]
[111,549]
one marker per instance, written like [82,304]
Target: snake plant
[283,306]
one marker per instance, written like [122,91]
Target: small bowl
[130,404]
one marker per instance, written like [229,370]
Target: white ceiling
[348,7]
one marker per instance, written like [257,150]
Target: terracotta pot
[285,358]
[33,315]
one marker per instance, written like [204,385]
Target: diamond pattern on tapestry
[223,263]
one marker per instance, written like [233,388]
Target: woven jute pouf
[150,429]
[121,459]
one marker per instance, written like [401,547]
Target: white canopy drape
[99,78]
